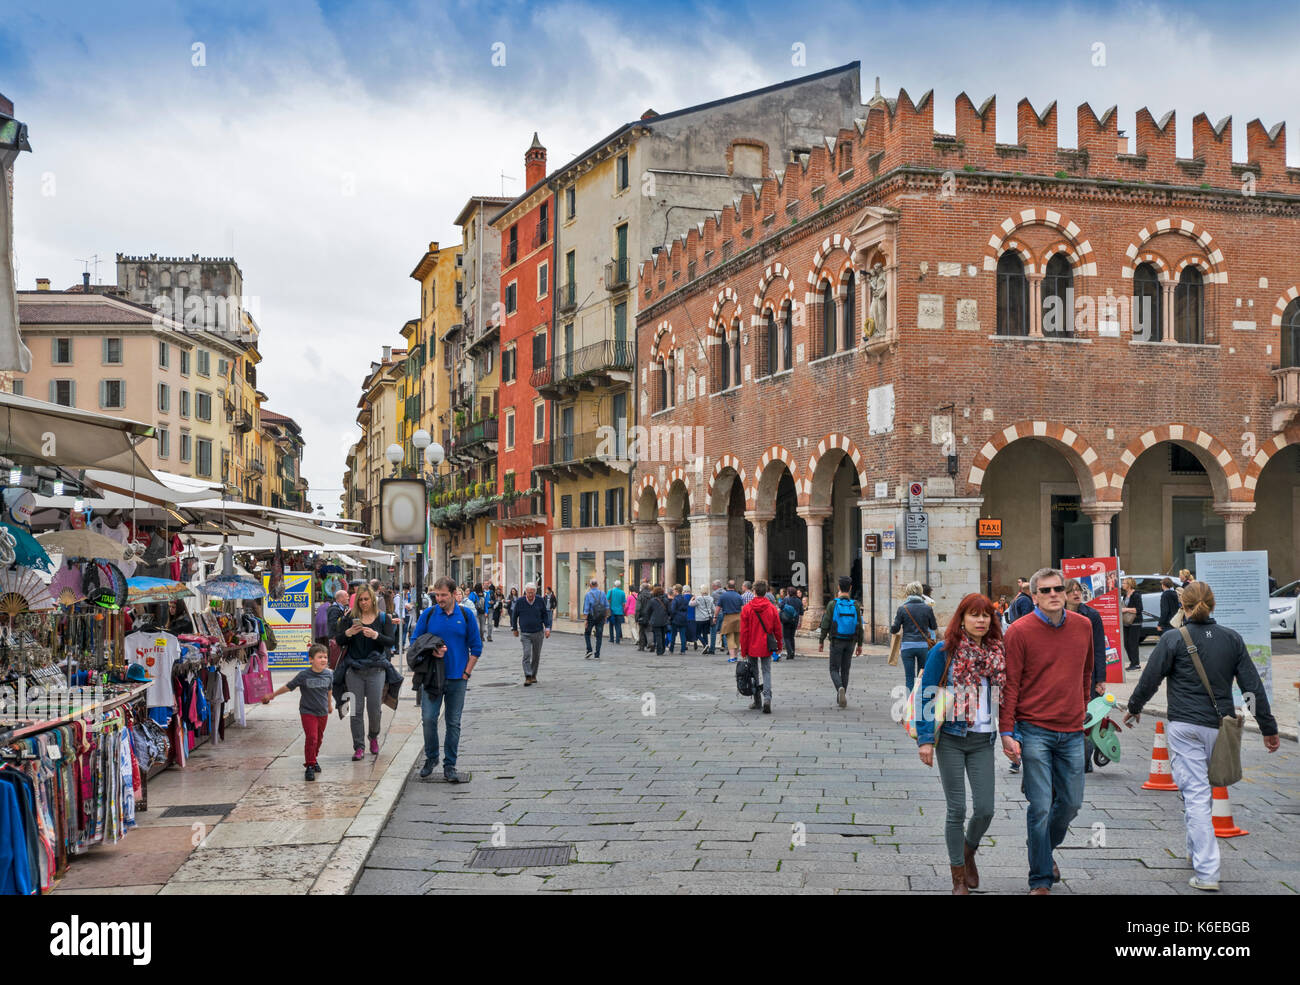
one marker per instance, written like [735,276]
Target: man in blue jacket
[595,607]
[531,619]
[459,630]
[1022,604]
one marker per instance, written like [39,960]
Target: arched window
[1013,296]
[724,359]
[828,319]
[1189,307]
[735,352]
[787,336]
[850,308]
[1291,334]
[1058,297]
[662,401]
[670,389]
[773,366]
[1148,304]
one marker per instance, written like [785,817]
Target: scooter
[1103,732]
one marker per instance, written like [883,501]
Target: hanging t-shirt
[121,535]
[158,653]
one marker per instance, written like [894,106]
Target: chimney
[534,163]
[388,353]
[85,281]
[42,283]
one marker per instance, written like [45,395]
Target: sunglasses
[1050,589]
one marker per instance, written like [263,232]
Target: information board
[1239,580]
[1100,579]
[290,618]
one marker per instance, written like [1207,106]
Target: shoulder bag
[929,640]
[1225,760]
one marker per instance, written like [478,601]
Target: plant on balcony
[476,507]
[455,513]
[508,484]
[460,420]
[437,517]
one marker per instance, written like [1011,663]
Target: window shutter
[103,390]
[104,349]
[72,395]
[52,394]
[566,511]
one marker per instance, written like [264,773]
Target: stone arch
[773,271]
[811,476]
[1041,217]
[677,479]
[725,297]
[647,482]
[1225,477]
[1070,254]
[1289,295]
[1157,261]
[828,246]
[662,330]
[1083,459]
[713,489]
[1013,245]
[1270,448]
[767,475]
[1181,227]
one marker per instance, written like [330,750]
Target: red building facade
[1099,347]
[527,227]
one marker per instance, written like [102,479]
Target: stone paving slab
[706,796]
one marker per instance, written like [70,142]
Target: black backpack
[746,683]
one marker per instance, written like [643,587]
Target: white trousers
[1189,761]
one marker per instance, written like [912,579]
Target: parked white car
[1282,610]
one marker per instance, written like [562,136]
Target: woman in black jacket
[1194,718]
[178,620]
[657,617]
[365,635]
[1132,609]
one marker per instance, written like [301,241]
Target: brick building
[1100,346]
[527,230]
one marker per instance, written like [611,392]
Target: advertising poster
[1100,579]
[1239,580]
[290,617]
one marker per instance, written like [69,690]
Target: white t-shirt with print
[157,653]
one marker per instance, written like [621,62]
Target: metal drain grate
[513,858]
[198,810]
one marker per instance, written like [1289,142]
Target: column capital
[760,516]
[1100,512]
[668,526]
[1234,511]
[813,514]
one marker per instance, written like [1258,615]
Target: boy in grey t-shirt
[315,703]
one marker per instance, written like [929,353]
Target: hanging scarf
[975,661]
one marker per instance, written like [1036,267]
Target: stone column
[1036,305]
[708,548]
[1234,523]
[1100,514]
[1167,313]
[670,551]
[814,517]
[760,521]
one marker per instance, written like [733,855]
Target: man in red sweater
[1049,673]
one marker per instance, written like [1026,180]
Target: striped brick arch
[661,330]
[1083,458]
[827,443]
[1134,255]
[1283,303]
[1086,264]
[773,271]
[1013,245]
[1270,448]
[723,462]
[777,453]
[829,245]
[1065,248]
[1229,481]
[725,296]
[681,475]
[646,481]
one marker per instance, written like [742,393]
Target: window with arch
[735,352]
[828,319]
[850,308]
[787,336]
[772,363]
[1291,334]
[1189,307]
[1013,296]
[1058,297]
[1148,304]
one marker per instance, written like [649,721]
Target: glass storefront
[561,585]
[614,570]
[586,571]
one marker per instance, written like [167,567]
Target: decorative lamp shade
[402,509]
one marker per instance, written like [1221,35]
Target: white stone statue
[877,312]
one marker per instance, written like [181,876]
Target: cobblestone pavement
[702,795]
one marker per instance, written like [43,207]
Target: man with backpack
[595,606]
[760,629]
[842,622]
[791,607]
[456,626]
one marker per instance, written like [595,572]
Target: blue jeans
[616,629]
[454,696]
[912,656]
[713,635]
[676,633]
[1053,784]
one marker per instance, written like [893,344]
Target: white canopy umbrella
[35,432]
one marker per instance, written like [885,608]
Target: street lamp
[394,455]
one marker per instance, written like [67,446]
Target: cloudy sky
[324,144]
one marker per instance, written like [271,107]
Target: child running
[315,704]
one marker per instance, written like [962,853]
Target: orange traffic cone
[1160,777]
[1221,814]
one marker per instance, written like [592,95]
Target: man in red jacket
[758,618]
[1049,672]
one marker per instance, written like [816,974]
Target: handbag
[773,644]
[940,708]
[257,681]
[1225,759]
[745,682]
[336,652]
[895,647]
[1129,618]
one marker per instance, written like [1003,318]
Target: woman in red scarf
[964,673]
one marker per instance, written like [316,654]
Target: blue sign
[989,544]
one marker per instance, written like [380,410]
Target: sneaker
[450,775]
[1209,887]
[767,707]
[1015,767]
[731,660]
[310,774]
[588,654]
[427,770]
[359,754]
[840,699]
[315,767]
[528,682]
[374,746]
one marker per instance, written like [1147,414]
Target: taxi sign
[988,527]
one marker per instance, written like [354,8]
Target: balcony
[489,334]
[616,274]
[523,512]
[1287,407]
[475,441]
[540,235]
[568,297]
[588,368]
[573,456]
[243,421]
[256,466]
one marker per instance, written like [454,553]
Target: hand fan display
[66,584]
[23,591]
